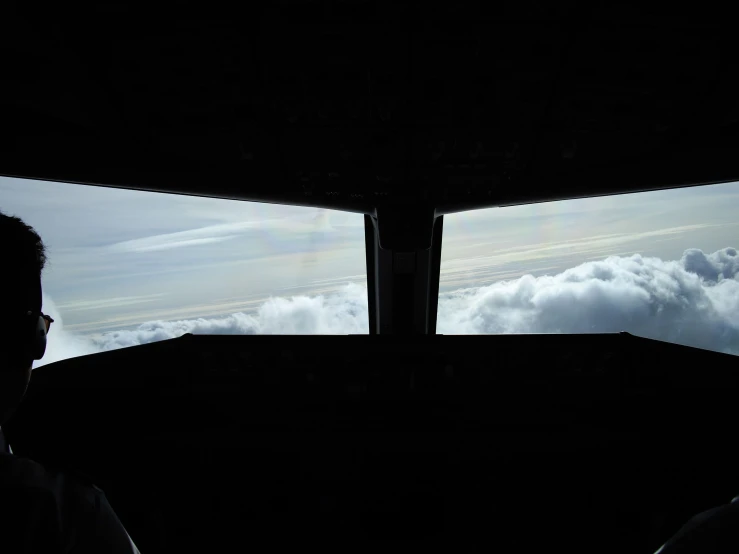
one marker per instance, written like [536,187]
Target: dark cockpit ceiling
[356,104]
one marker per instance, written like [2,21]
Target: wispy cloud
[314,223]
[149,245]
[199,310]
[107,303]
[337,281]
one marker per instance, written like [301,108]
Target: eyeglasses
[48,320]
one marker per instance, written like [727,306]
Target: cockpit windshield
[662,265]
[128,267]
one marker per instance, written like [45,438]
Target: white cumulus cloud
[341,313]
[692,301]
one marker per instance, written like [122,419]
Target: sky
[129,267]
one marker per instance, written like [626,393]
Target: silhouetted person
[41,510]
[711,532]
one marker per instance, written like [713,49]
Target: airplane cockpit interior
[537,347]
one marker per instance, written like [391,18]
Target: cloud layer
[341,313]
[692,301]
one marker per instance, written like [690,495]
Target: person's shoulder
[66,483]
[65,504]
[18,471]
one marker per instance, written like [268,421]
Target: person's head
[22,259]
